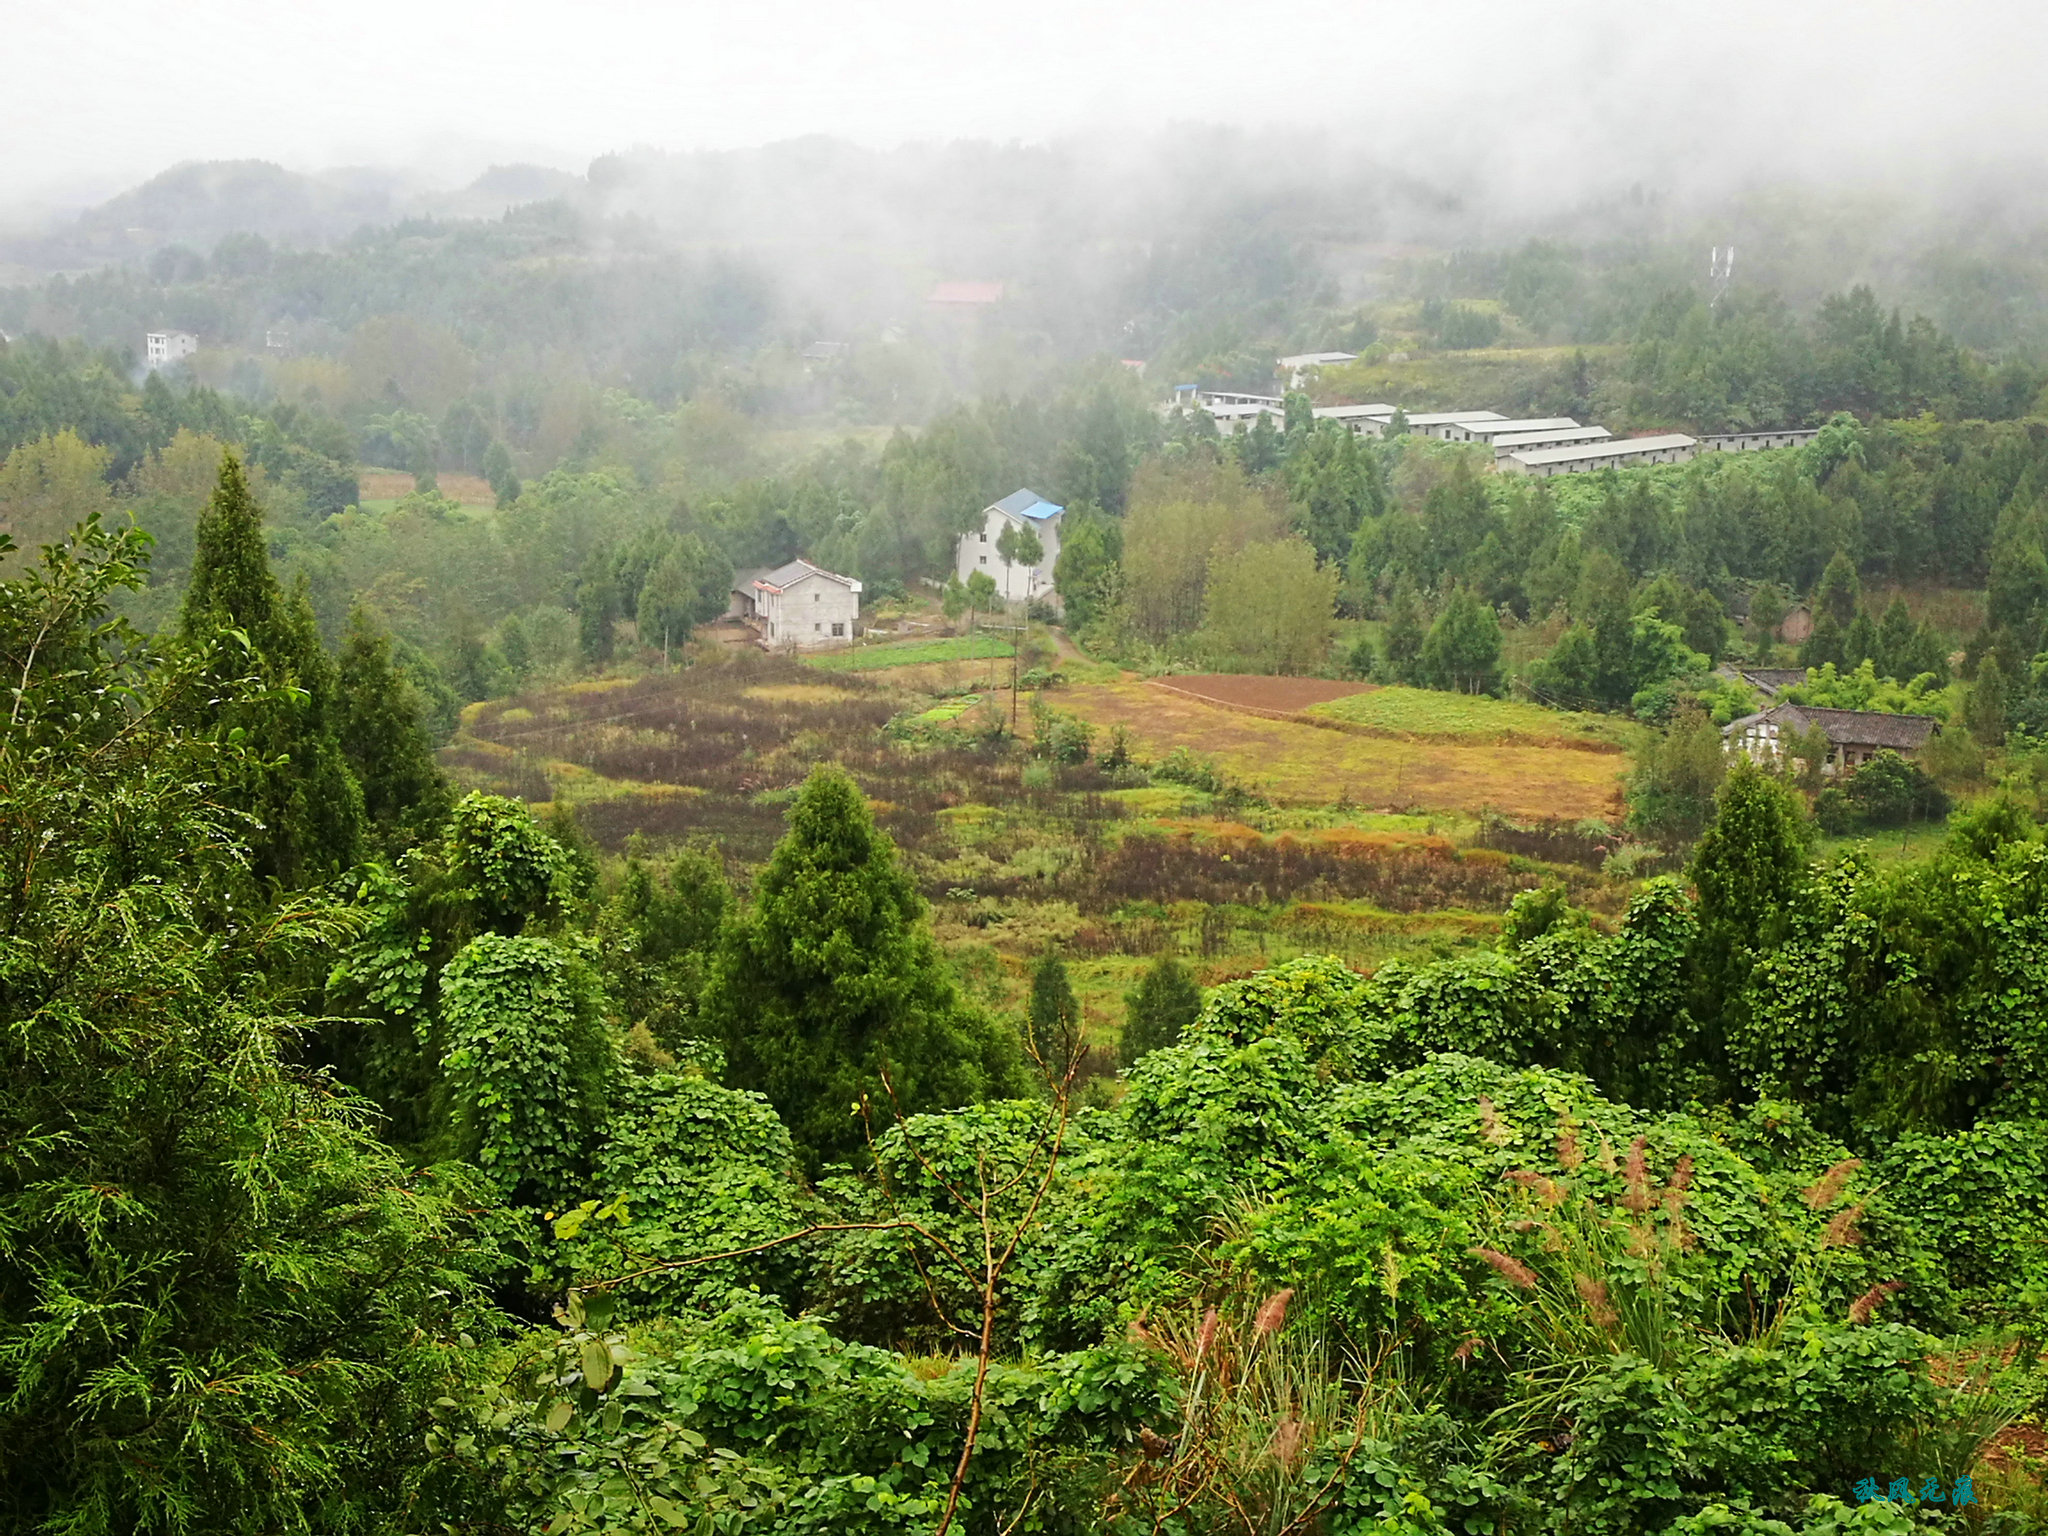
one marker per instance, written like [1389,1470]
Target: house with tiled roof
[1854,736]
[798,606]
[1015,583]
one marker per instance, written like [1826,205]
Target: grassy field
[1476,753]
[909,653]
[1427,714]
[1017,856]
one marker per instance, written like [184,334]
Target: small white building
[798,606]
[1664,448]
[1297,369]
[1233,419]
[1014,583]
[162,348]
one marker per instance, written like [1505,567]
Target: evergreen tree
[1705,624]
[224,1304]
[1603,606]
[1897,640]
[1860,644]
[498,470]
[597,612]
[831,979]
[1165,1003]
[405,794]
[1671,794]
[1462,652]
[1405,633]
[1052,1020]
[1259,449]
[1750,870]
[1985,711]
[1825,646]
[1840,593]
[271,679]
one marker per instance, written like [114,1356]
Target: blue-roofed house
[1016,583]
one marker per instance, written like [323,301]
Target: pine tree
[597,611]
[1165,1003]
[270,678]
[832,979]
[1840,593]
[1052,1020]
[1405,632]
[1462,653]
[1990,698]
[1896,638]
[405,795]
[1860,644]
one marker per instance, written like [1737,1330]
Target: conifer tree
[1053,1019]
[270,678]
[383,735]
[832,979]
[1841,591]
[1896,637]
[1165,1003]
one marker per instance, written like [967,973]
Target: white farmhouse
[799,606]
[162,348]
[1298,369]
[1014,583]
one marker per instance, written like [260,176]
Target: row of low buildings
[1540,446]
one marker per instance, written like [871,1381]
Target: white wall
[1015,583]
[803,613]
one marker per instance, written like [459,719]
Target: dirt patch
[391,485]
[1283,695]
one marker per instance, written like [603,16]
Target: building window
[984,559]
[816,596]
[838,631]
[983,535]
[817,629]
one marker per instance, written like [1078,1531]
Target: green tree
[1840,594]
[981,593]
[1018,545]
[224,1306]
[384,735]
[296,783]
[1704,623]
[1166,1001]
[1462,651]
[597,612]
[667,605]
[498,471]
[1826,646]
[527,1063]
[953,601]
[1406,632]
[1603,606]
[1091,544]
[1052,1020]
[1671,794]
[1270,608]
[1985,710]
[830,980]
[1896,641]
[1750,870]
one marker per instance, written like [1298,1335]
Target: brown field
[1284,694]
[1304,764]
[391,484]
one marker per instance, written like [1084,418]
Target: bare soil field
[391,484]
[1284,694]
[1306,764]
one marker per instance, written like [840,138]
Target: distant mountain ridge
[200,203]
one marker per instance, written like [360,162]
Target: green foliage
[1156,1015]
[1018,545]
[1268,608]
[295,781]
[1462,651]
[224,1304]
[829,983]
[1671,794]
[383,735]
[527,1063]
[1052,1020]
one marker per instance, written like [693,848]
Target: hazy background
[1520,101]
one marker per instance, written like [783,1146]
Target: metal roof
[1311,359]
[1527,424]
[1028,503]
[789,575]
[1340,412]
[1442,418]
[1527,439]
[1614,448]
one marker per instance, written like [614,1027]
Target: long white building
[1554,437]
[1666,448]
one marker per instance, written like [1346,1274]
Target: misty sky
[101,93]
